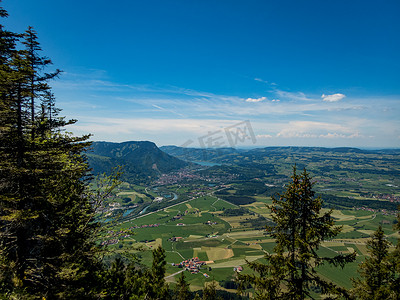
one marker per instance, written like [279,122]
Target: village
[194,265]
[190,174]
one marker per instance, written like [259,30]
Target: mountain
[141,160]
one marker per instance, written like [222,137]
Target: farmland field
[203,223]
[224,243]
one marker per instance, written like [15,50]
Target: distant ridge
[231,156]
[141,160]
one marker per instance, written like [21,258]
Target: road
[172,275]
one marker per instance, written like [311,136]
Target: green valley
[218,214]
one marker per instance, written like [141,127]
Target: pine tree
[37,80]
[299,230]
[137,281]
[197,297]
[181,291]
[47,236]
[115,281]
[48,230]
[376,272]
[158,289]
[395,263]
[210,291]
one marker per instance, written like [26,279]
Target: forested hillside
[140,161]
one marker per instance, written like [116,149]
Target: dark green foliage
[199,154]
[273,191]
[251,187]
[222,192]
[235,211]
[181,291]
[229,284]
[37,86]
[115,287]
[332,201]
[239,200]
[125,280]
[47,235]
[377,272]
[158,288]
[210,291]
[197,297]
[299,230]
[395,259]
[257,223]
[267,283]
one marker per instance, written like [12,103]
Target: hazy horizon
[254,146]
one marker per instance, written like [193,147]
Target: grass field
[226,244]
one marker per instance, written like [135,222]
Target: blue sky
[304,73]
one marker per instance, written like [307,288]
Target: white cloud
[167,110]
[264,136]
[333,97]
[292,96]
[256,99]
[333,135]
[264,81]
[312,129]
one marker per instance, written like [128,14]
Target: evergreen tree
[395,263]
[197,297]
[157,288]
[376,272]
[115,281]
[137,281]
[181,291]
[47,228]
[37,80]
[210,291]
[299,230]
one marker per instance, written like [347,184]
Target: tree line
[48,232]
[49,235]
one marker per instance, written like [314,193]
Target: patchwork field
[198,228]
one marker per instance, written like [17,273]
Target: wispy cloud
[333,97]
[256,99]
[263,136]
[168,110]
[292,95]
[265,81]
[312,129]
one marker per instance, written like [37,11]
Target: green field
[226,241]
